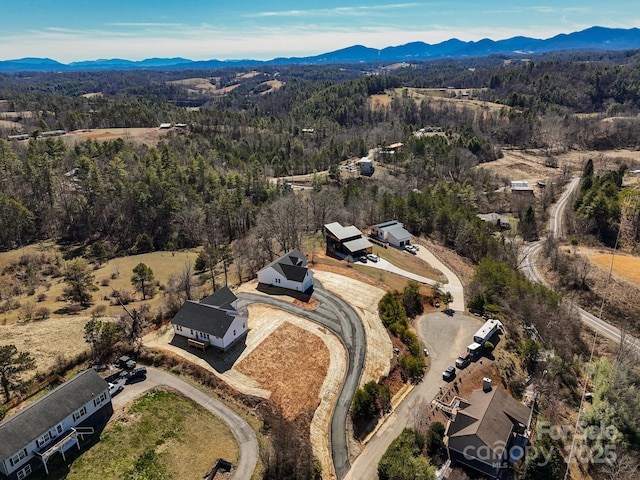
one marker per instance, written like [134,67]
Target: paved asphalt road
[336,315]
[246,437]
[528,265]
[446,337]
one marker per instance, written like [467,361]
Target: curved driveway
[336,315]
[453,285]
[247,442]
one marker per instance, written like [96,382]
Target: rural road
[336,315]
[247,442]
[530,270]
[446,337]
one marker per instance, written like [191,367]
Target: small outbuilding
[290,271]
[366,167]
[392,232]
[501,222]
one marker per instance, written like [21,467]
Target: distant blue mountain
[594,38]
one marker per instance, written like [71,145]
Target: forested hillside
[223,179]
[214,179]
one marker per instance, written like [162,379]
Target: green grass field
[162,436]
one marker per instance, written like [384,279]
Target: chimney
[486,384]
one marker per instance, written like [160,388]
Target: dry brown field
[146,136]
[273,84]
[114,274]
[10,124]
[625,266]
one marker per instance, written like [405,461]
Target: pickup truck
[116,387]
[140,372]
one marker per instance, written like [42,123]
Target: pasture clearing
[625,266]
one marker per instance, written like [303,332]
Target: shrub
[43,313]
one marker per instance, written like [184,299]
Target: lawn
[162,436]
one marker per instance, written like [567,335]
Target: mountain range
[594,38]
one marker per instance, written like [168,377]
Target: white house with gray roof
[289,271]
[53,424]
[392,232]
[212,321]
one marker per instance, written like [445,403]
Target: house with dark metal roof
[346,242]
[213,321]
[53,424]
[290,271]
[488,431]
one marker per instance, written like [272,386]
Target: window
[100,399]
[24,472]
[191,331]
[234,333]
[18,457]
[79,414]
[179,328]
[59,429]
[43,440]
[277,280]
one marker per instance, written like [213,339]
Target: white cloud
[337,11]
[144,24]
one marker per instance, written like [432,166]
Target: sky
[73,30]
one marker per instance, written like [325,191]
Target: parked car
[140,372]
[426,352]
[449,374]
[373,257]
[116,388]
[463,360]
[363,259]
[411,249]
[437,305]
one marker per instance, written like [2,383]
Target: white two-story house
[212,321]
[290,271]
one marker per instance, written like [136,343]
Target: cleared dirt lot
[146,136]
[530,166]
